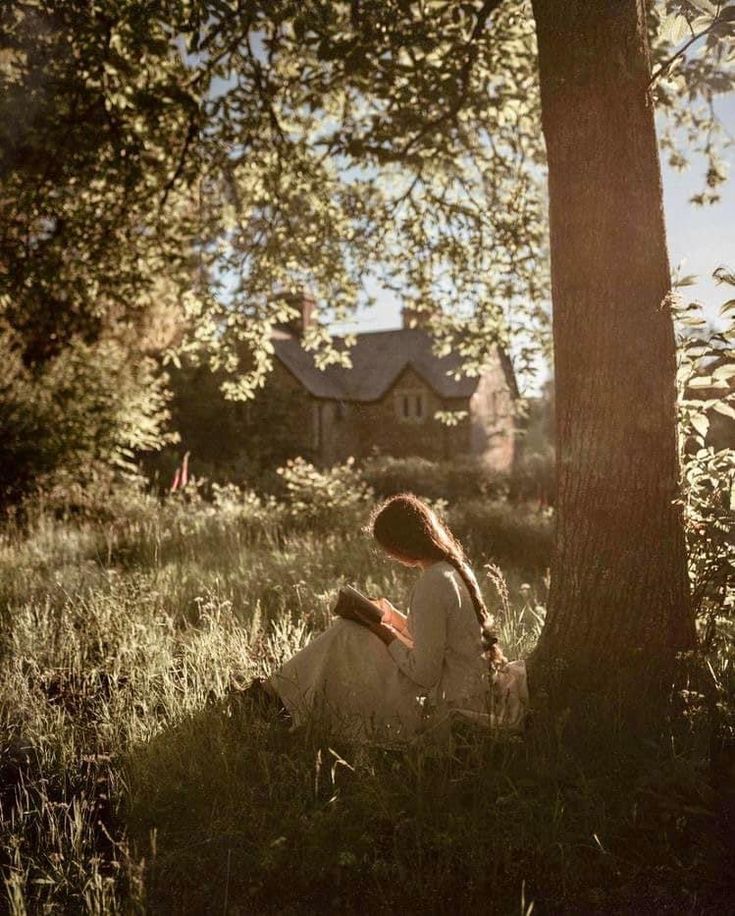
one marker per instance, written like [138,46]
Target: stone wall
[402,423]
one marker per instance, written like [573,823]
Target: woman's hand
[391,615]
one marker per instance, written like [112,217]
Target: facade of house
[387,402]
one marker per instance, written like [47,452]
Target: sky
[700,239]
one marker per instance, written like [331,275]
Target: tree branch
[191,133]
[663,68]
[465,73]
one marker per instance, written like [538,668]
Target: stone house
[386,403]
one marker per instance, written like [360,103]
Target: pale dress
[349,682]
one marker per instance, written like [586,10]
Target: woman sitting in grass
[403,675]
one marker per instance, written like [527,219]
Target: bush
[462,478]
[73,427]
[534,477]
[237,442]
[328,497]
[706,378]
[507,534]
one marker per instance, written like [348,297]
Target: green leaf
[701,424]
[723,275]
[724,372]
[706,7]
[727,410]
[674,28]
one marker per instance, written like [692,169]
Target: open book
[353,605]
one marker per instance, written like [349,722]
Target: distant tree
[230,441]
[210,157]
[94,110]
[79,421]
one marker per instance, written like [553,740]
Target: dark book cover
[353,605]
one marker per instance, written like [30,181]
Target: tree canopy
[175,167]
[173,171]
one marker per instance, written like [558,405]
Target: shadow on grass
[234,813]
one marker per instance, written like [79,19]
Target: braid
[457,561]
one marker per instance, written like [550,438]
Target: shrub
[73,427]
[229,441]
[507,534]
[332,496]
[706,379]
[465,477]
[534,477]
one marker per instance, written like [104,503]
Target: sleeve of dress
[432,599]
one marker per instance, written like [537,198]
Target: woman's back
[447,656]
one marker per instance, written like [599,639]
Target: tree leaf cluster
[706,382]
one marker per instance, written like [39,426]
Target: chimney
[413,318]
[306,307]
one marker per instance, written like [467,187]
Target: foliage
[706,378]
[170,172]
[95,108]
[506,533]
[228,441]
[534,477]
[692,65]
[229,155]
[463,478]
[534,471]
[466,477]
[79,420]
[336,495]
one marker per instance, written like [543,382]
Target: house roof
[378,358]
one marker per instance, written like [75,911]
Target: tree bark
[619,607]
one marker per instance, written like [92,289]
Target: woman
[405,674]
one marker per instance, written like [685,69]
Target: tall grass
[135,778]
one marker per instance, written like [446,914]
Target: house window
[411,406]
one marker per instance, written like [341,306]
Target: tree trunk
[619,607]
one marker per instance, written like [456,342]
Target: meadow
[135,778]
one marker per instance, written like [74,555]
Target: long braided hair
[408,529]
